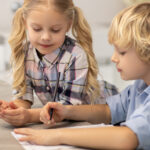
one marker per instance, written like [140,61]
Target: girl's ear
[25,23]
[69,25]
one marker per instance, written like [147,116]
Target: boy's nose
[114,57]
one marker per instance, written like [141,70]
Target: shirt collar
[52,58]
[143,87]
[147,90]
[48,59]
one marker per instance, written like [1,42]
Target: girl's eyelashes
[55,30]
[52,30]
[37,29]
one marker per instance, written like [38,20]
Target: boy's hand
[40,137]
[59,112]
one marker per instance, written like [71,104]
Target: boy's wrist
[60,136]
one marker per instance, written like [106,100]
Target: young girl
[130,35]
[49,52]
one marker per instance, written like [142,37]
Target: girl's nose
[114,57]
[46,36]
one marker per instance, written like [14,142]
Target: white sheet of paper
[28,146]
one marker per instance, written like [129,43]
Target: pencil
[55,93]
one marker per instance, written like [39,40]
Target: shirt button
[47,88]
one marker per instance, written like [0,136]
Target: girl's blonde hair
[80,30]
[131,29]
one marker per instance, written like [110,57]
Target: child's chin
[124,78]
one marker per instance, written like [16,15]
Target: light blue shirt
[132,108]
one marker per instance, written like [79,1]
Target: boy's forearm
[100,138]
[90,113]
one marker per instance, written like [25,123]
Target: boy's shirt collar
[143,87]
[147,90]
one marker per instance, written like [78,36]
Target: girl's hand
[39,137]
[59,113]
[3,105]
[16,116]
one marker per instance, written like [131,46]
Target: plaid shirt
[71,61]
[106,89]
[41,74]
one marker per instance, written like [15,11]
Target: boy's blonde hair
[80,30]
[131,29]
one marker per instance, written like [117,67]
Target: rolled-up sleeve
[29,90]
[132,108]
[139,123]
[118,105]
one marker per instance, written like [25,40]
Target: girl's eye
[37,29]
[55,31]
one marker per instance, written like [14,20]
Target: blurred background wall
[99,15]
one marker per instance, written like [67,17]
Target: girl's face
[46,29]
[130,66]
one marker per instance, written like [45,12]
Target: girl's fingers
[55,106]
[44,115]
[12,105]
[3,104]
[12,112]
[15,117]
[51,122]
[46,111]
[12,122]
[11,118]
[43,118]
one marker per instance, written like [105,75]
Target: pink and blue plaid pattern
[41,75]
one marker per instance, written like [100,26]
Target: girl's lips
[44,45]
